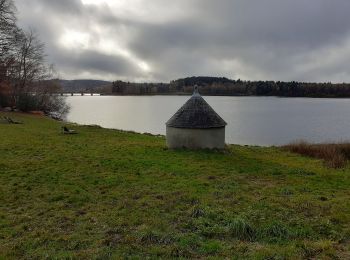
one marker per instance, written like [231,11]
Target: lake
[261,121]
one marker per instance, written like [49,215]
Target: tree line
[25,76]
[228,87]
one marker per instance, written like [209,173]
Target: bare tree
[8,36]
[25,77]
[7,20]
[22,55]
[30,64]
[29,68]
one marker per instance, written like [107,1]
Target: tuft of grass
[153,237]
[334,155]
[197,212]
[313,250]
[275,231]
[211,247]
[240,229]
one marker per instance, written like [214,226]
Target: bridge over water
[78,94]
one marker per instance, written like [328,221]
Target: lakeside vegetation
[111,194]
[334,155]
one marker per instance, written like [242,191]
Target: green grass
[110,194]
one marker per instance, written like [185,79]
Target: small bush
[334,155]
[49,104]
[4,102]
[27,103]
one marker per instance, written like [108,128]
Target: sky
[162,40]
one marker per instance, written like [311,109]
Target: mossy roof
[196,113]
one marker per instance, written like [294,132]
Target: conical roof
[196,113]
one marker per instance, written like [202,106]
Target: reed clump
[335,155]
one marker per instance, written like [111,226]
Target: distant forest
[217,86]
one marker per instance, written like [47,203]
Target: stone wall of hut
[212,138]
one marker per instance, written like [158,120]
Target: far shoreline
[204,95]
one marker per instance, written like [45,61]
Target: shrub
[3,101]
[27,103]
[50,104]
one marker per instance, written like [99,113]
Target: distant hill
[203,80]
[84,85]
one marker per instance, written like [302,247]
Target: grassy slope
[105,193]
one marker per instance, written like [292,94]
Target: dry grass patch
[335,155]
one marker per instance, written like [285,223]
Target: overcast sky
[161,40]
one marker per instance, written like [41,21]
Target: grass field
[110,194]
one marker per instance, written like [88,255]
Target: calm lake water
[251,120]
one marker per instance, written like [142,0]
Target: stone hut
[196,125]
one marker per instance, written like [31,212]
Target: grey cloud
[250,39]
[93,61]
